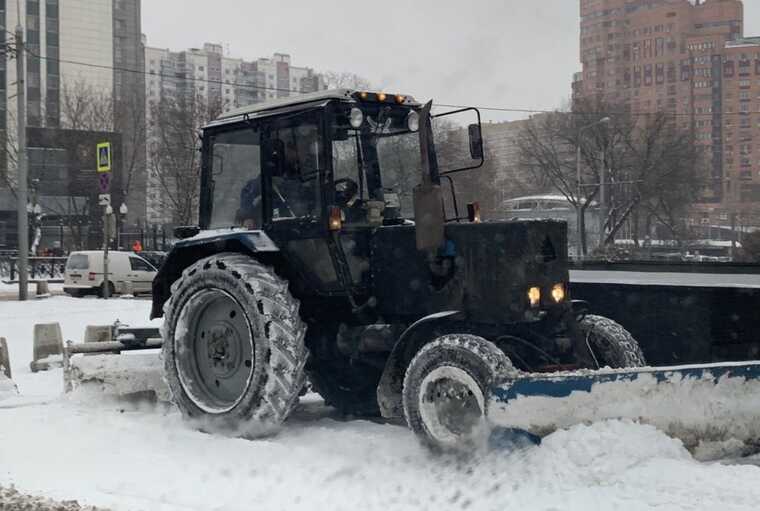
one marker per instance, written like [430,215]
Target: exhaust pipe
[428,201]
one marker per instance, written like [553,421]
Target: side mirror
[476,141]
[458,141]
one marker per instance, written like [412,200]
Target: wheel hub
[223,350]
[451,405]
[215,352]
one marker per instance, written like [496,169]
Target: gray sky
[506,53]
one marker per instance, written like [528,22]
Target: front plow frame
[127,339]
[695,403]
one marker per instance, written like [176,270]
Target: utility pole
[604,209]
[580,203]
[22,192]
[107,214]
[732,249]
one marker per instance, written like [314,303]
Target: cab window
[293,152]
[236,174]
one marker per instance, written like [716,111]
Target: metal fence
[151,238]
[46,268]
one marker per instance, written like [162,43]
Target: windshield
[382,156]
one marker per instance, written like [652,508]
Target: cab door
[294,165]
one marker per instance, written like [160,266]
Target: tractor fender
[409,343]
[207,243]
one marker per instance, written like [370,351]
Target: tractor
[331,245]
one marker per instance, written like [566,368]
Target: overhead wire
[441,104]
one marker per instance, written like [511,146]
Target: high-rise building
[691,59]
[221,82]
[85,47]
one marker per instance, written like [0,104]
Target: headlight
[413,121]
[558,292]
[534,296]
[357,118]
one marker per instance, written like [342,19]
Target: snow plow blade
[111,368]
[698,404]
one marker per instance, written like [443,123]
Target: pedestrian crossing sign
[104,157]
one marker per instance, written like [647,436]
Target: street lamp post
[122,216]
[579,208]
[108,214]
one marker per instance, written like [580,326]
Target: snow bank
[17,321]
[7,387]
[702,413]
[128,374]
[11,499]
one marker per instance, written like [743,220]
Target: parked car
[84,273]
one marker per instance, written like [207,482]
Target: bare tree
[131,122]
[9,156]
[173,152]
[651,168]
[547,151]
[86,107]
[345,80]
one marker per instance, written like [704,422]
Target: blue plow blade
[698,404]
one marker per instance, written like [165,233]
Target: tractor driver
[347,198]
[293,191]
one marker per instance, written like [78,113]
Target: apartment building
[691,59]
[208,74]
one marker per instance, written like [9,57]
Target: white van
[84,273]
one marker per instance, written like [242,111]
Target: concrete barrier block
[98,333]
[43,289]
[48,347]
[5,359]
[8,389]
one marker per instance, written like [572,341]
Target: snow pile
[698,411]
[8,389]
[11,499]
[128,374]
[17,320]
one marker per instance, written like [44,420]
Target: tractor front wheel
[445,391]
[610,343]
[233,346]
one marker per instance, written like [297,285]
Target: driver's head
[345,191]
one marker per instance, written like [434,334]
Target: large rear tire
[611,344]
[445,389]
[233,349]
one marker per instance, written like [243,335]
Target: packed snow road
[119,456]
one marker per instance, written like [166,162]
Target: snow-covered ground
[12,289]
[111,454]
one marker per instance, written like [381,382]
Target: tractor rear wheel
[233,349]
[445,391]
[610,343]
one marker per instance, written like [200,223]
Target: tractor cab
[320,172]
[327,158]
